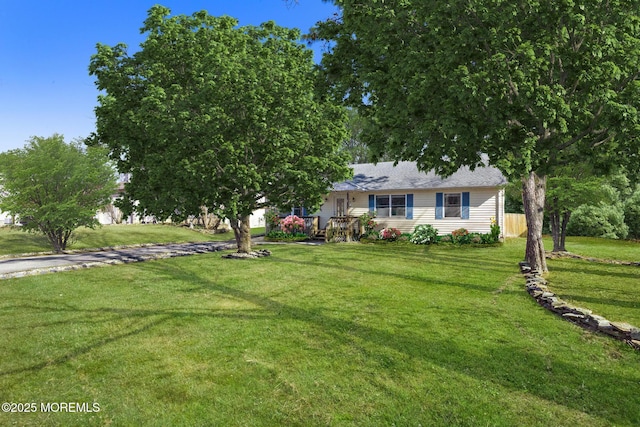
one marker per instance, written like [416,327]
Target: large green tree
[209,114]
[567,189]
[55,187]
[356,149]
[533,84]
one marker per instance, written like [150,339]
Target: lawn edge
[536,286]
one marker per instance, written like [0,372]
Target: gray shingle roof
[406,176]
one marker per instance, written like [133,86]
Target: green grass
[335,335]
[609,290]
[13,241]
[623,250]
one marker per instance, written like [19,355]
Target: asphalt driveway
[22,266]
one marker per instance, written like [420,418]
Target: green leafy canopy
[531,84]
[55,187]
[207,113]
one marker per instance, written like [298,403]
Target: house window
[299,211]
[398,205]
[382,206]
[452,205]
[391,205]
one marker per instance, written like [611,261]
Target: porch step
[320,234]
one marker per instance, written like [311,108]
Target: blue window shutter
[439,206]
[465,205]
[372,203]
[409,206]
[304,211]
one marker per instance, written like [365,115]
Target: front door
[340,205]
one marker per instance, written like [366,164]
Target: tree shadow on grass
[507,365]
[608,287]
[23,241]
[593,269]
[522,370]
[144,320]
[601,301]
[382,271]
[476,256]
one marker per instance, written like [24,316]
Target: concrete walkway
[24,266]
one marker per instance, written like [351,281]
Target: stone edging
[200,248]
[251,255]
[537,287]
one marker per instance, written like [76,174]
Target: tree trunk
[559,229]
[563,231]
[533,195]
[242,231]
[55,242]
[57,237]
[554,219]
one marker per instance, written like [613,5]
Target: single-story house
[403,197]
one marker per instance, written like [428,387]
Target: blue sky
[46,46]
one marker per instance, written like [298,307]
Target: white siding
[485,203]
[5,219]
[257,218]
[330,208]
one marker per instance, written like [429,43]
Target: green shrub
[368,223]
[632,214]
[424,234]
[477,238]
[602,220]
[488,239]
[281,236]
[371,238]
[447,238]
[494,235]
[461,236]
[271,220]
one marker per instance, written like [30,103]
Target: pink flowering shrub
[461,235]
[390,234]
[292,224]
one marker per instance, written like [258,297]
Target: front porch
[337,229]
[343,229]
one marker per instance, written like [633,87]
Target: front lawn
[609,290]
[314,335]
[622,250]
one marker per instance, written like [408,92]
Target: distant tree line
[583,204]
